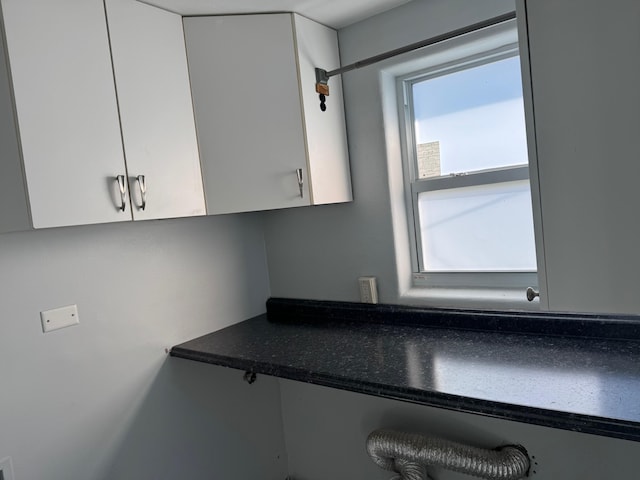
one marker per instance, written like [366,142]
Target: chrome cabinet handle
[300,182]
[123,192]
[142,184]
[531,294]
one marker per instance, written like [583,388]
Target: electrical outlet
[6,469]
[368,289]
[59,318]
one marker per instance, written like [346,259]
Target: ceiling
[334,13]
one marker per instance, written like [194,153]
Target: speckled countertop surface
[584,384]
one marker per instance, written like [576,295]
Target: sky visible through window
[476,116]
[490,83]
[467,121]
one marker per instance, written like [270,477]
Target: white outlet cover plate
[59,318]
[6,468]
[368,289]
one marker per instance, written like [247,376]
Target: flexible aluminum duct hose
[409,454]
[410,471]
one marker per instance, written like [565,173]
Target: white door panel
[156,110]
[248,111]
[66,109]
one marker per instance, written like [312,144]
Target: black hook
[323,105]
[249,377]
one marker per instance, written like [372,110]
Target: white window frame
[456,289]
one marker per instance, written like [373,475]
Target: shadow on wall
[200,421]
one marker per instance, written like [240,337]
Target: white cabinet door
[248,111]
[156,110]
[325,132]
[584,78]
[66,110]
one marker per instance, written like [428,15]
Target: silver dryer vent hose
[409,454]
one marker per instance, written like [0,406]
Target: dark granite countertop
[579,383]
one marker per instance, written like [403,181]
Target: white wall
[102,400]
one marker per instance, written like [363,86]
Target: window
[467,174]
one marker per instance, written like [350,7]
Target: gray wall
[587,150]
[326,433]
[102,400]
[320,252]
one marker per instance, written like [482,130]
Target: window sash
[470,179]
[415,186]
[490,279]
[496,280]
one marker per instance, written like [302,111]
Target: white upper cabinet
[65,120]
[66,110]
[584,83]
[264,143]
[156,111]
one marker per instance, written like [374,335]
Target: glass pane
[470,120]
[479,228]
